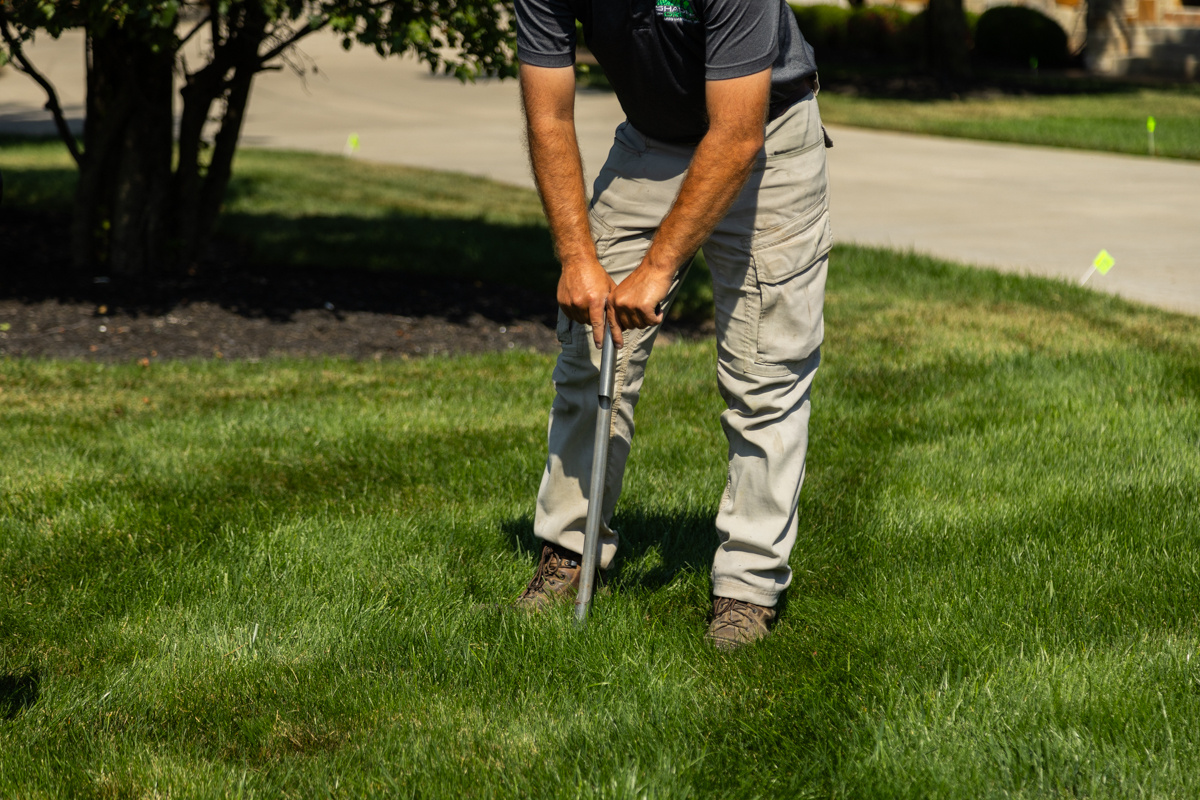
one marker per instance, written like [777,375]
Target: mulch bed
[53,328]
[231,309]
[255,316]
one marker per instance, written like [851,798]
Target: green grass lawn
[1113,120]
[289,578]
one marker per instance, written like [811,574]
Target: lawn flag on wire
[1102,264]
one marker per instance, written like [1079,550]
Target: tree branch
[195,29]
[296,36]
[52,104]
[308,28]
[305,30]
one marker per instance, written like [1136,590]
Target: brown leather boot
[555,581]
[736,623]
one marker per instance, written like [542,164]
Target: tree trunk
[199,192]
[220,169]
[201,91]
[947,41]
[121,222]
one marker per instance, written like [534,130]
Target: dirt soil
[233,310]
[213,328]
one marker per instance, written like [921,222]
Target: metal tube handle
[591,532]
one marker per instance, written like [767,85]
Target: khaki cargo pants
[768,260]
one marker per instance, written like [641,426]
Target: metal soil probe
[591,534]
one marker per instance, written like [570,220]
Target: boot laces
[730,613]
[549,568]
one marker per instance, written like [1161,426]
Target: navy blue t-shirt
[657,54]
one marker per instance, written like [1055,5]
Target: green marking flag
[352,143]
[1151,124]
[1104,262]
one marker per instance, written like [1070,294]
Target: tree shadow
[18,692]
[520,254]
[1170,57]
[39,124]
[272,266]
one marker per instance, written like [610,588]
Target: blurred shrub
[1013,36]
[878,32]
[875,34]
[825,27]
[913,39]
[591,76]
[694,302]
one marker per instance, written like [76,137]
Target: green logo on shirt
[677,10]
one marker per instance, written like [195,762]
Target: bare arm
[737,111]
[548,95]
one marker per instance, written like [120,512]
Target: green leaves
[467,38]
[153,20]
[167,15]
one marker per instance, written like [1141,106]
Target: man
[722,147]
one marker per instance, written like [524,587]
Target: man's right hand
[583,292]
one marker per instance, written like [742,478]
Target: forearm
[721,163]
[548,97]
[584,286]
[558,174]
[719,169]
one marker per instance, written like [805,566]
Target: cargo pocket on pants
[572,336]
[790,267]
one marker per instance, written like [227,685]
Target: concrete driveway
[1033,210]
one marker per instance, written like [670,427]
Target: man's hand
[637,301]
[583,294]
[737,113]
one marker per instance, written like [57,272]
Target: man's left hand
[638,299]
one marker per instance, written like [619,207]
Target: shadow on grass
[397,242]
[657,545]
[18,692]
[685,541]
[270,265]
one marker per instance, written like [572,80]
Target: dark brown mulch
[360,315]
[231,309]
[234,310]
[207,329]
